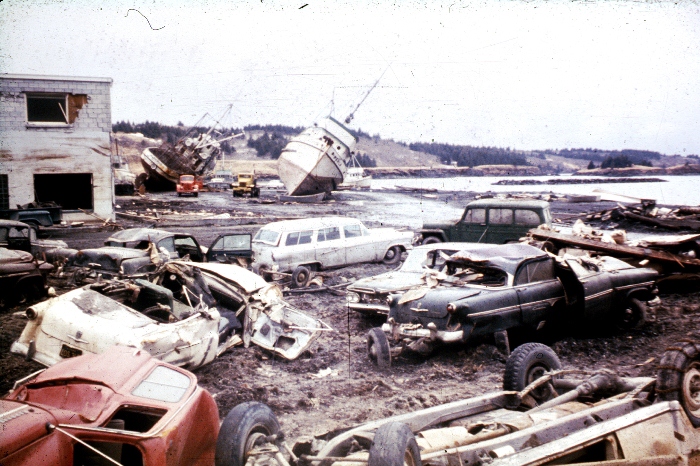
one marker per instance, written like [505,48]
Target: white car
[301,246]
[187,316]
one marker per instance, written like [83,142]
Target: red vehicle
[190,184]
[123,407]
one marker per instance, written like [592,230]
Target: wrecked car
[368,296]
[305,245]
[187,315]
[487,291]
[140,251]
[491,221]
[122,407]
[543,416]
[22,277]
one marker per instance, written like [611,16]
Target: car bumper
[413,331]
[370,308]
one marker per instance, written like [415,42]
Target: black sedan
[490,290]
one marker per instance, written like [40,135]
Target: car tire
[392,256]
[526,364]
[633,315]
[679,378]
[394,445]
[431,240]
[179,194]
[196,194]
[262,271]
[378,349]
[300,277]
[239,430]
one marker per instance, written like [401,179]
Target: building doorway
[71,191]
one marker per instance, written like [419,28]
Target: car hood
[246,279]
[388,282]
[13,256]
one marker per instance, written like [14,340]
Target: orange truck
[190,185]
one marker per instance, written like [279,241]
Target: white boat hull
[316,160]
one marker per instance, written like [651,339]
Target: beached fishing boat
[193,155]
[316,160]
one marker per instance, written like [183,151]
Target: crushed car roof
[139,234]
[502,256]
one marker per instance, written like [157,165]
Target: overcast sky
[525,75]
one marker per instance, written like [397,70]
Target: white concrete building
[55,143]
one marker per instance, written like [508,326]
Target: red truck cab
[189,184]
[130,407]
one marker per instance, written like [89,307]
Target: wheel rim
[301,277]
[691,388]
[408,459]
[390,254]
[627,316]
[372,351]
[533,374]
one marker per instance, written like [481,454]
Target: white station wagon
[300,246]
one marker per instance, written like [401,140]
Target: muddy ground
[333,384]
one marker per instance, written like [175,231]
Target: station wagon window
[501,216]
[475,216]
[298,237]
[267,236]
[352,231]
[328,234]
[526,217]
[163,384]
[168,244]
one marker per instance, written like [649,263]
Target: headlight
[352,297]
[451,308]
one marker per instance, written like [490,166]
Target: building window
[4,193]
[47,108]
[70,191]
[52,109]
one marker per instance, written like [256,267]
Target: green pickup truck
[490,221]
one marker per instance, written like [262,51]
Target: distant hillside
[132,138]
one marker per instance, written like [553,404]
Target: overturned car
[187,315]
[543,416]
[489,290]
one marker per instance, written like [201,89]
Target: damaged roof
[139,234]
[503,256]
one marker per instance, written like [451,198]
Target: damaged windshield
[467,272]
[267,236]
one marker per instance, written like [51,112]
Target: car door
[227,248]
[539,291]
[330,250]
[597,288]
[186,244]
[471,228]
[358,247]
[299,246]
[499,228]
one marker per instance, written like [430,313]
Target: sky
[521,74]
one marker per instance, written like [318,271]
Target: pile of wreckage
[646,212]
[675,257]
